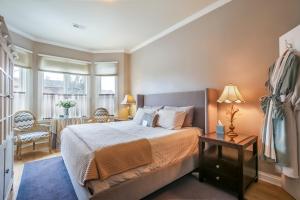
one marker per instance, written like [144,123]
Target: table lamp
[128,100]
[231,95]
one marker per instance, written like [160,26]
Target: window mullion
[66,83]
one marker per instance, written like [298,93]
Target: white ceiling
[109,24]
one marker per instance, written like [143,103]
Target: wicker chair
[27,130]
[100,115]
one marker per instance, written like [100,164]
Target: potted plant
[66,104]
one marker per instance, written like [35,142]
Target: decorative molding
[36,39]
[99,62]
[110,51]
[22,33]
[67,59]
[269,178]
[22,49]
[182,23]
[197,15]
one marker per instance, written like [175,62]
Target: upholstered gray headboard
[205,102]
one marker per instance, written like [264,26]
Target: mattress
[168,147]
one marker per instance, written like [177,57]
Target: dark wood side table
[230,164]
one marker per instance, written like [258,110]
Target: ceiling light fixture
[78,26]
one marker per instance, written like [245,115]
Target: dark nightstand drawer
[220,166]
[221,180]
[226,164]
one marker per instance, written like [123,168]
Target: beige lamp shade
[231,94]
[128,99]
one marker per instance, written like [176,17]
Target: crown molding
[36,39]
[167,31]
[22,49]
[182,23]
[110,51]
[19,32]
[67,59]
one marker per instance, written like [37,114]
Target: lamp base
[232,135]
[231,132]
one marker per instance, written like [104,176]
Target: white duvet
[78,143]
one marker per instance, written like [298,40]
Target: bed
[174,152]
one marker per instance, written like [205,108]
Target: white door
[292,37]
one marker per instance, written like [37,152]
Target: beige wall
[234,44]
[42,48]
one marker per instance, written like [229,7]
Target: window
[20,101]
[105,86]
[106,93]
[61,79]
[21,83]
[60,86]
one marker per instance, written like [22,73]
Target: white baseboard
[269,178]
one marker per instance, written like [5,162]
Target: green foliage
[66,103]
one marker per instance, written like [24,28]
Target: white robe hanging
[283,81]
[268,140]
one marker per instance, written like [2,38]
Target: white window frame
[97,92]
[25,75]
[41,87]
[107,71]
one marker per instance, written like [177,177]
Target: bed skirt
[139,187]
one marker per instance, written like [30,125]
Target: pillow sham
[188,121]
[155,108]
[140,113]
[149,119]
[170,119]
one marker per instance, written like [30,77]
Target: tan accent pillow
[188,121]
[170,119]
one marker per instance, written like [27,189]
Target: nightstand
[229,164]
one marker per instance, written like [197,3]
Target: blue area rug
[46,180]
[49,180]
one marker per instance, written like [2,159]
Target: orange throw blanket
[119,158]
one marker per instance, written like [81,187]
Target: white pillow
[138,117]
[156,108]
[188,121]
[171,119]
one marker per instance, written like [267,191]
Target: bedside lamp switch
[217,166]
[217,178]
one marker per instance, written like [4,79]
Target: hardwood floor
[266,191]
[257,191]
